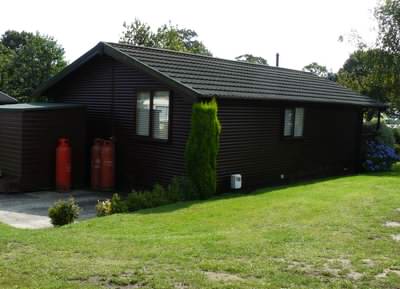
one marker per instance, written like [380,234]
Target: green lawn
[323,234]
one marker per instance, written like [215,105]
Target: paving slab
[29,210]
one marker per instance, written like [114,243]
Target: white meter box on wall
[236,181]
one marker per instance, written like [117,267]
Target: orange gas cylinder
[95,164]
[63,165]
[107,165]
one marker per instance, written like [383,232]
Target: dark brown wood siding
[10,143]
[28,141]
[252,142]
[41,131]
[109,89]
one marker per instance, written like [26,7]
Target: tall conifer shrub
[202,149]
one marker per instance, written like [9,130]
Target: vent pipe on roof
[277,60]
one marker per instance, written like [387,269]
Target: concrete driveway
[29,210]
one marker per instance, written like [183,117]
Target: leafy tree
[388,15]
[26,61]
[252,59]
[138,33]
[167,37]
[6,56]
[316,69]
[320,70]
[375,73]
[14,40]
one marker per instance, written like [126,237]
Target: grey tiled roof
[209,76]
[205,76]
[6,99]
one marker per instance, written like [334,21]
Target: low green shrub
[103,208]
[114,206]
[64,212]
[137,200]
[397,148]
[180,189]
[118,205]
[159,196]
[148,199]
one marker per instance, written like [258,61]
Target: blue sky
[301,31]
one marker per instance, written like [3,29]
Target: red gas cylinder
[107,165]
[63,165]
[96,164]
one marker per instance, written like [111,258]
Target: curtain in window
[161,114]
[143,113]
[288,124]
[299,122]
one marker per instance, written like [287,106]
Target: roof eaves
[97,50]
[123,57]
[6,99]
[377,105]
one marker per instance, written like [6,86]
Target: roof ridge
[170,67]
[207,56]
[143,64]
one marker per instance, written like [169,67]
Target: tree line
[28,59]
[374,70]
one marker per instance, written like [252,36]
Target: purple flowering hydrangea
[379,157]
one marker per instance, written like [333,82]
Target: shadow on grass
[231,195]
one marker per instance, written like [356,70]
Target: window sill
[147,139]
[293,138]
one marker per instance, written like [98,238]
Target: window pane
[161,114]
[143,113]
[288,125]
[299,121]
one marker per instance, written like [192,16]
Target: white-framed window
[152,114]
[293,122]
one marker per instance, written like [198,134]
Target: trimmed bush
[138,200]
[148,199]
[118,205]
[397,148]
[64,212]
[384,133]
[379,157]
[179,189]
[202,149]
[108,207]
[103,208]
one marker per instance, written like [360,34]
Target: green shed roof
[38,106]
[6,99]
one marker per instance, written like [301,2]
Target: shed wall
[10,143]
